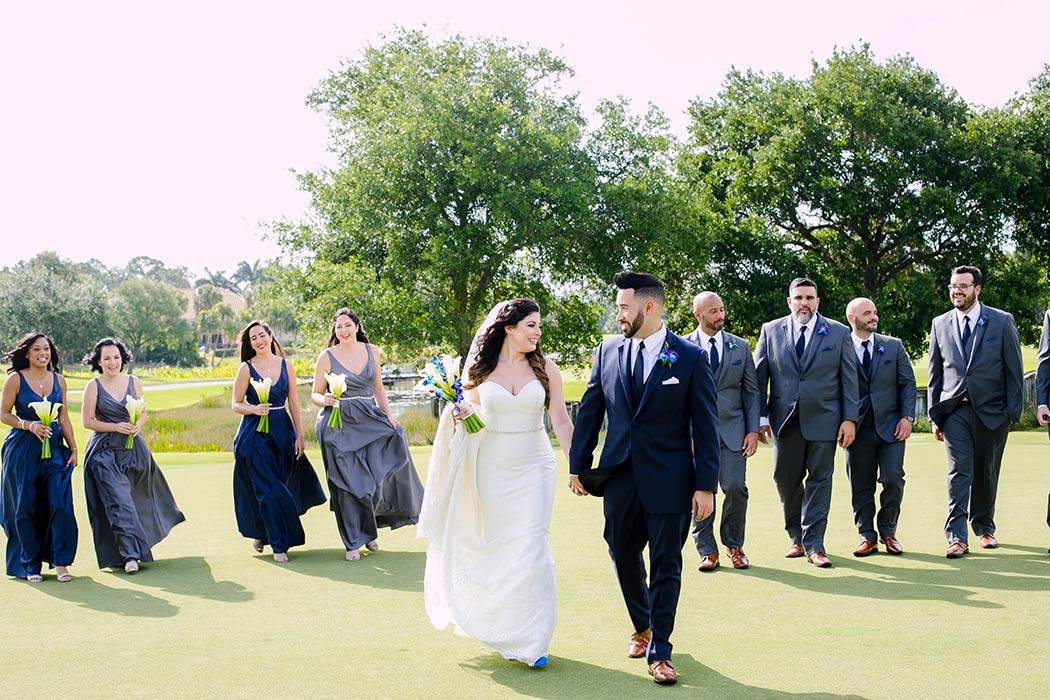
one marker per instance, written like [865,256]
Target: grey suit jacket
[821,389]
[990,376]
[1042,367]
[737,384]
[891,386]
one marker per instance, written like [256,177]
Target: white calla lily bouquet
[336,385]
[135,408]
[262,390]
[47,412]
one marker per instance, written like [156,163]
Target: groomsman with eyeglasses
[886,385]
[736,383]
[975,385]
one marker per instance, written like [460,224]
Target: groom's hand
[575,486]
[703,504]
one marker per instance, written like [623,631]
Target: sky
[172,129]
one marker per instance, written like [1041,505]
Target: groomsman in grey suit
[1042,375]
[886,384]
[737,385]
[807,376]
[974,394]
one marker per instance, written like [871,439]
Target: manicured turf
[211,619]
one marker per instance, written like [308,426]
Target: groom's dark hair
[644,285]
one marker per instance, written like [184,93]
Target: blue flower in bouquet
[441,378]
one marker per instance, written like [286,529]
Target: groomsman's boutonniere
[880,348]
[983,320]
[668,357]
[823,330]
[731,345]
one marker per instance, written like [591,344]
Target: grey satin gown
[371,477]
[129,504]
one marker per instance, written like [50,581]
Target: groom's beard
[629,329]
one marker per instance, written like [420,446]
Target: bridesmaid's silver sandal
[257,545]
[34,578]
[131,566]
[372,546]
[65,577]
[280,557]
[353,555]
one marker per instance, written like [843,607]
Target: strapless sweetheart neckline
[512,394]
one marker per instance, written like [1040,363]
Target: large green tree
[873,178]
[460,168]
[146,315]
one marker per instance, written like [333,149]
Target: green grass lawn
[211,619]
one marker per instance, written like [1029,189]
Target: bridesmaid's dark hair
[332,340]
[247,351]
[19,357]
[93,359]
[490,344]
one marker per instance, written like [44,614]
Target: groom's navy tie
[713,356]
[800,346]
[638,374]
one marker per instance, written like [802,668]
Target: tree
[145,267]
[874,177]
[205,297]
[48,294]
[1028,118]
[459,164]
[146,315]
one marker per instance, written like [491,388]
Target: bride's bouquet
[47,412]
[262,390]
[135,408]
[441,378]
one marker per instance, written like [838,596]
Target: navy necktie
[800,346]
[966,332]
[713,355]
[865,361]
[638,374]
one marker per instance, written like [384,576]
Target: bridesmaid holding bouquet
[36,508]
[273,482]
[129,504]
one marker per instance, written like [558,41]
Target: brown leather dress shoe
[865,548]
[639,644]
[663,672]
[795,550]
[892,545]
[820,559]
[739,559]
[989,542]
[709,562]
[957,549]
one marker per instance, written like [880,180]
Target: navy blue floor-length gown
[271,488]
[36,507]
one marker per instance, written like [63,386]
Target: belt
[513,432]
[351,398]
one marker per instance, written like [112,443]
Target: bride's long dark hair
[490,344]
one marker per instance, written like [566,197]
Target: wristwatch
[910,419]
[456,411]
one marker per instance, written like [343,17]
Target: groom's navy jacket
[656,437]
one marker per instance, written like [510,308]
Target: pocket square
[738,362]
[826,348]
[990,338]
[668,382]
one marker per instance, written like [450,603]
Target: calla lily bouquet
[47,412]
[441,378]
[336,385]
[135,408]
[262,390]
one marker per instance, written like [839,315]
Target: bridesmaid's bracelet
[21,423]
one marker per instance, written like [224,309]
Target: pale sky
[169,129]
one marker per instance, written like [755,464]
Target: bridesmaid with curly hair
[36,508]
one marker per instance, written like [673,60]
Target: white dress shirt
[973,314]
[858,345]
[705,342]
[654,344]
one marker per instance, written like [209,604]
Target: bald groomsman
[974,394]
[886,384]
[807,377]
[737,385]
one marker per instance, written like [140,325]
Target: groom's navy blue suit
[657,465]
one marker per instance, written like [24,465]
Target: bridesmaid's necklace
[39,381]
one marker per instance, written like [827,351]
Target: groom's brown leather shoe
[865,548]
[820,559]
[795,550]
[892,545]
[988,541]
[739,558]
[663,672]
[957,549]
[639,644]
[709,562]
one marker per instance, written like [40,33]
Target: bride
[487,503]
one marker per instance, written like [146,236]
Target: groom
[660,459]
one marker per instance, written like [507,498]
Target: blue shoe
[539,663]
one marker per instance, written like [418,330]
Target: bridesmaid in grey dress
[130,506]
[371,477]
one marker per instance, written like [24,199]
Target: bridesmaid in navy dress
[273,483]
[129,504]
[36,508]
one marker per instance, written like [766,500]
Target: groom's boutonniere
[731,345]
[668,357]
[983,320]
[823,330]
[880,348]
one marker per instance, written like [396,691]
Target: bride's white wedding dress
[487,511]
